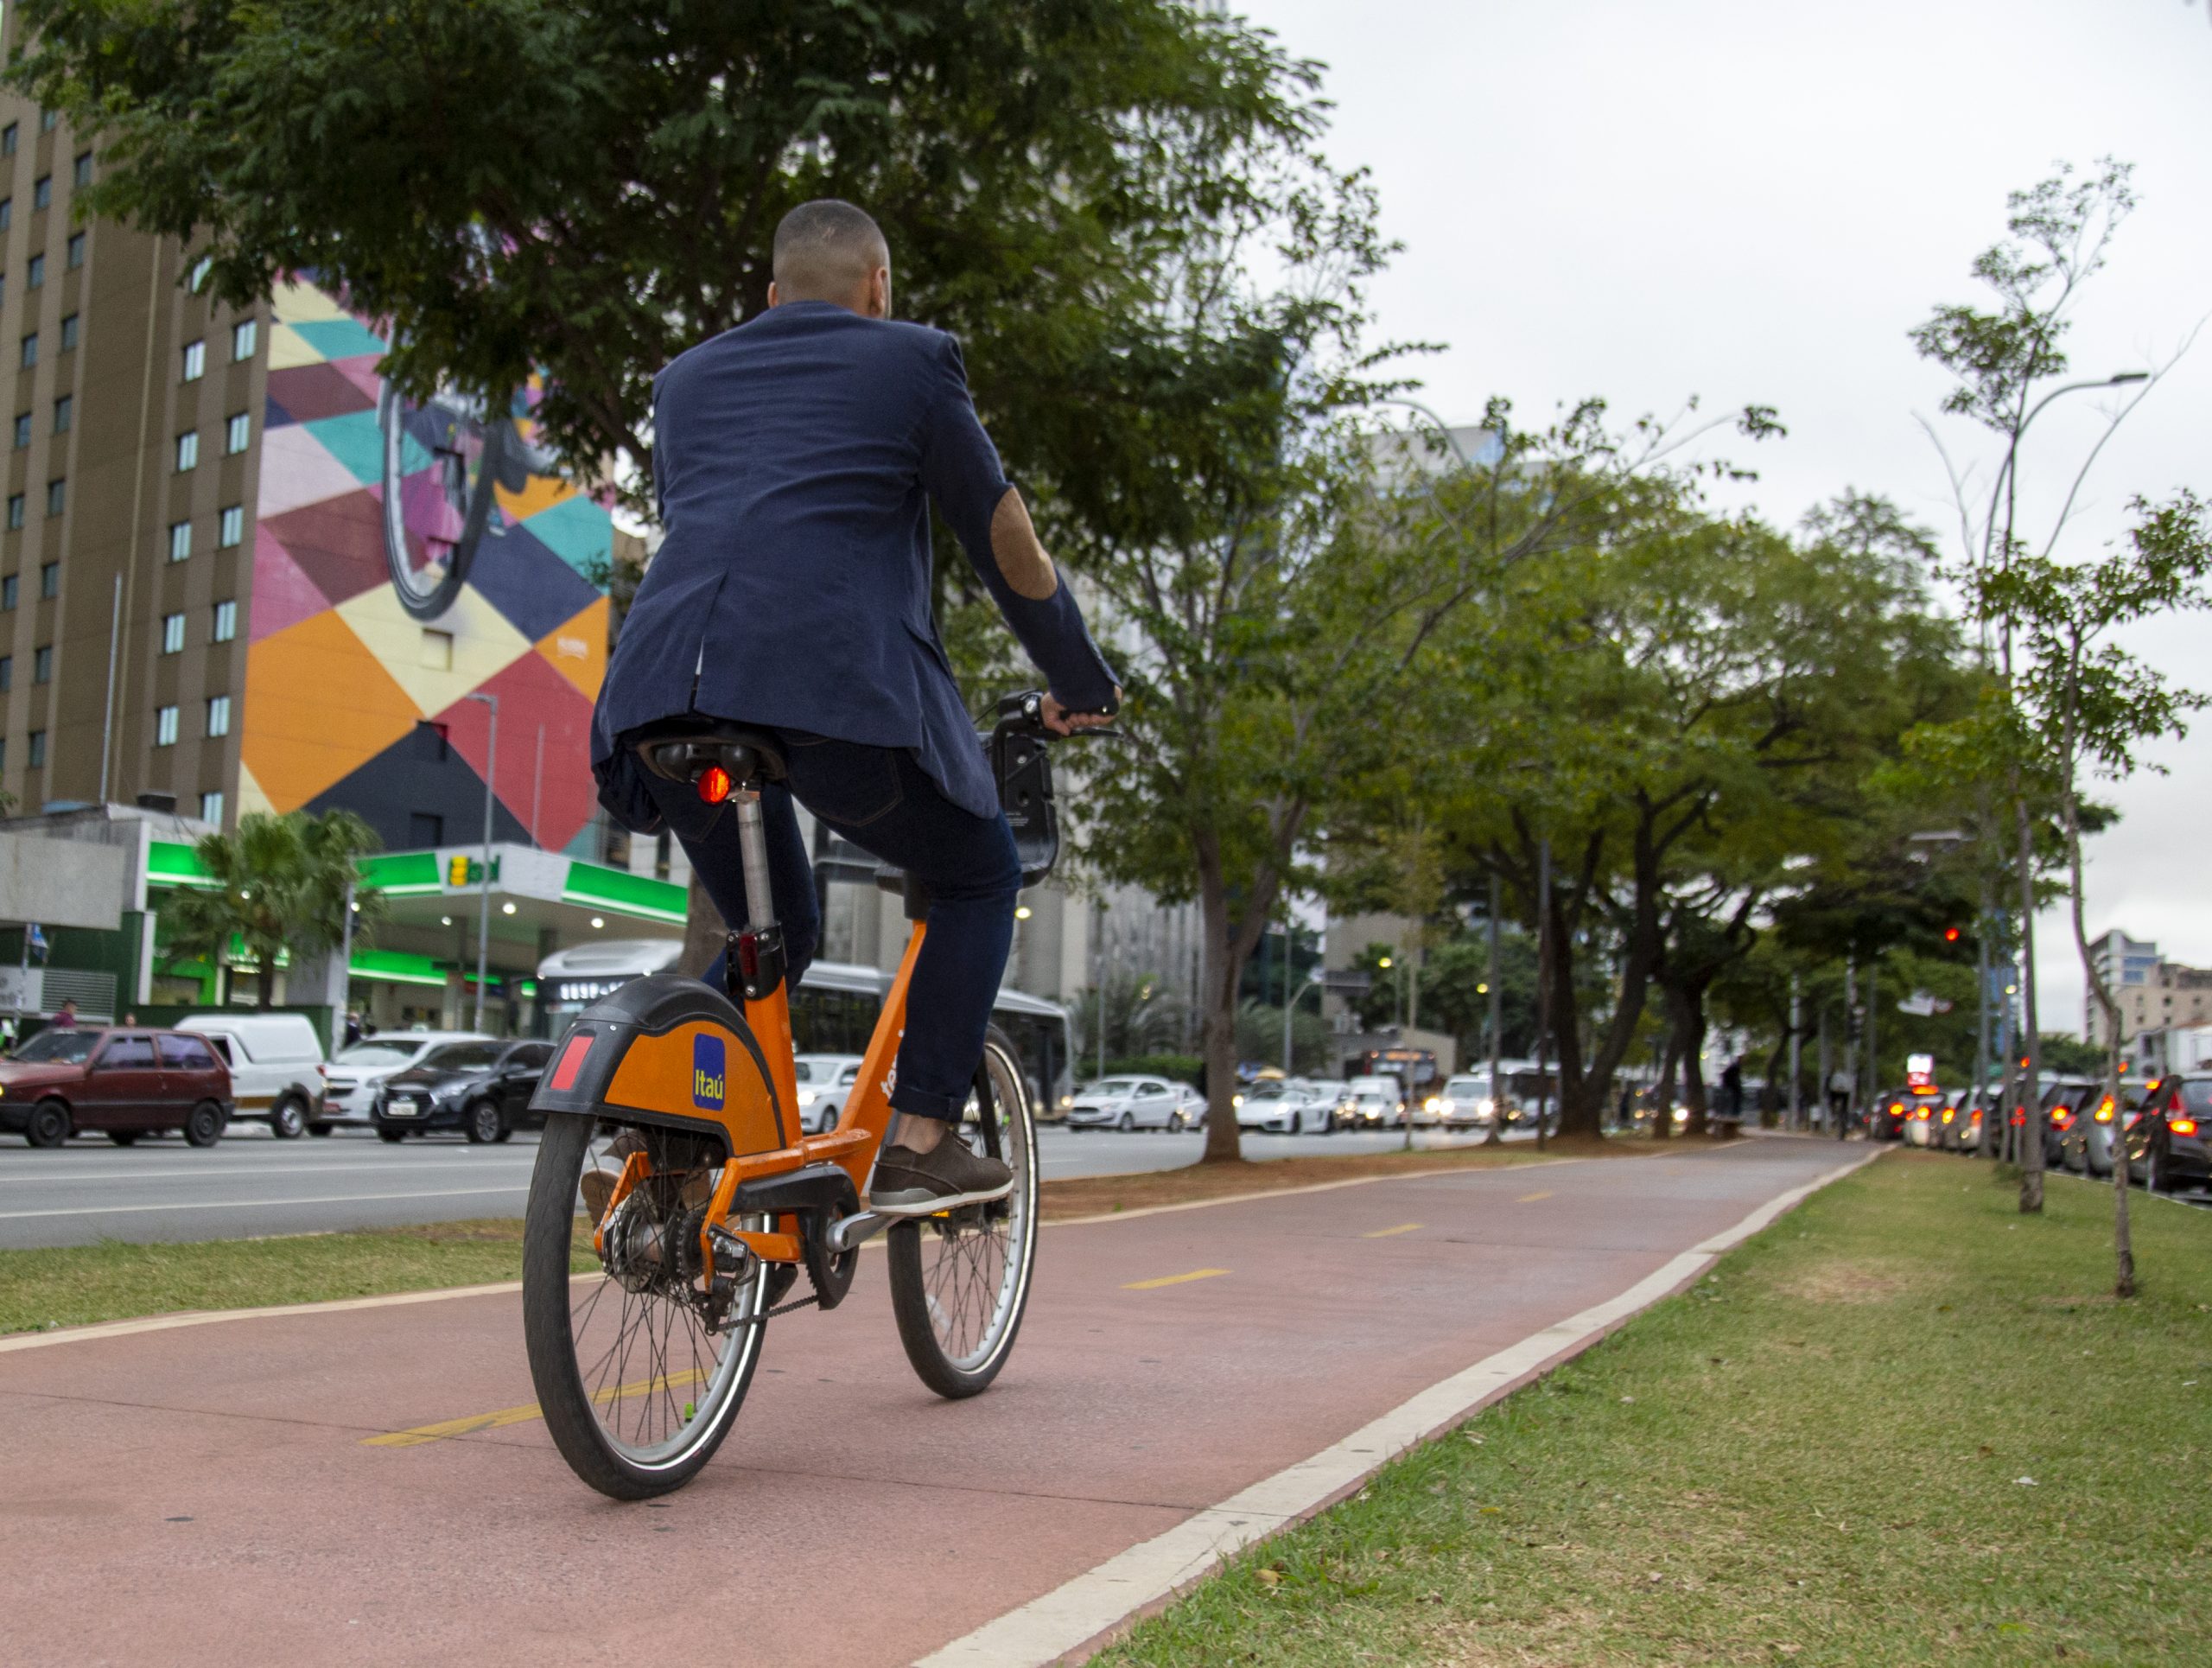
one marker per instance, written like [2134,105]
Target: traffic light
[1951,935]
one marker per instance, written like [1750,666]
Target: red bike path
[213,1493]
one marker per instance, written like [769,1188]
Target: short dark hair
[825,250]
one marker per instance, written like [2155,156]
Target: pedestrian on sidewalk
[66,1020]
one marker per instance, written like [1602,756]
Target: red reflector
[571,1063]
[2182,1125]
[715,784]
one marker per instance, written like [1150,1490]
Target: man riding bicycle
[795,460]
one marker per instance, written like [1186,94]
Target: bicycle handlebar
[1023,714]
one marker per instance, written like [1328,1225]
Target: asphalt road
[251,1184]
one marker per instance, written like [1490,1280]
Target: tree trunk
[1692,1005]
[1771,1103]
[265,977]
[1217,999]
[2031,1097]
[1662,1115]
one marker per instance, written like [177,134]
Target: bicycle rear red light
[714,785]
[571,1063]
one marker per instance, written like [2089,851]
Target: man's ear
[879,293]
[774,299]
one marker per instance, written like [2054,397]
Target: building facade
[2152,993]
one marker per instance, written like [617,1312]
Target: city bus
[833,1009]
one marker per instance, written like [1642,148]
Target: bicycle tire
[420,601]
[932,1259]
[578,1414]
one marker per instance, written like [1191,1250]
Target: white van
[276,1062]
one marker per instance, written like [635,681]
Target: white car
[1465,1101]
[1286,1108]
[350,1082]
[1369,1109]
[1136,1103]
[825,1084]
[276,1062]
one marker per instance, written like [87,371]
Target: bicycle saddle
[677,749]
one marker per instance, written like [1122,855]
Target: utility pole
[1850,1045]
[1543,980]
[1497,1030]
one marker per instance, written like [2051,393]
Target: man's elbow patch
[1027,570]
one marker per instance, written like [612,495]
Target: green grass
[1815,1457]
[76,1285]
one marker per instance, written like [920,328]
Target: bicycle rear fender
[669,1051]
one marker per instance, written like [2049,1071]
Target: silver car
[825,1084]
[351,1081]
[1292,1107]
[1136,1103]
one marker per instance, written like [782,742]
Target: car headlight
[807,1097]
[1066,1102]
[1236,1100]
[1431,1105]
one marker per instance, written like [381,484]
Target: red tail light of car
[2182,1125]
[2104,1110]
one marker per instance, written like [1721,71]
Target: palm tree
[280,885]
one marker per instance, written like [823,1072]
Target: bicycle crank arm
[848,1232]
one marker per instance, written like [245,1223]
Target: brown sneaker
[597,1187]
[908,1183]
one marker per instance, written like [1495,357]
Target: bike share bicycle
[690,1097]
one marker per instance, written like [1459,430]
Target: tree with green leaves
[2008,357]
[279,886]
[2087,707]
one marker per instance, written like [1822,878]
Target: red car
[126,1083]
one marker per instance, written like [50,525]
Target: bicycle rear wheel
[960,1281]
[639,1370]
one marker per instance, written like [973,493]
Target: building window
[7,212]
[48,120]
[195,361]
[76,250]
[237,433]
[210,806]
[172,634]
[43,191]
[233,527]
[179,540]
[57,496]
[42,664]
[69,332]
[49,580]
[82,171]
[8,592]
[219,714]
[201,269]
[188,450]
[8,140]
[226,622]
[30,350]
[64,409]
[15,510]
[35,273]
[244,336]
[164,726]
[22,431]
[7,672]
[37,748]
[425,829]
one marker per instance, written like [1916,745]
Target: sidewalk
[1169,1362]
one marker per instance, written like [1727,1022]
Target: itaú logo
[709,1072]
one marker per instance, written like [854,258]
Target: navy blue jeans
[879,799]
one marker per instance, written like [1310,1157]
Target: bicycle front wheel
[960,1281]
[639,1366]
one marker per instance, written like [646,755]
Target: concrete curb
[1082,1616]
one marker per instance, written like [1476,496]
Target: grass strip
[1905,1424]
[77,1285]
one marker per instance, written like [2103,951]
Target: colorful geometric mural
[364,623]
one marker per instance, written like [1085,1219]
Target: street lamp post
[1543,980]
[1497,1028]
[484,892]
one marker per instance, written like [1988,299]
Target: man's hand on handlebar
[1063,722]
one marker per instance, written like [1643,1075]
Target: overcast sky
[1753,202]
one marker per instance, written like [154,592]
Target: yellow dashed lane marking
[1172,1280]
[515,1415]
[1531,1198]
[1384,1234]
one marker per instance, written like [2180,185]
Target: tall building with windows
[2153,994]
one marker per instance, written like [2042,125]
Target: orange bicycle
[688,1098]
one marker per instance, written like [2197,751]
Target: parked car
[2170,1144]
[1134,1103]
[126,1083]
[276,1062]
[480,1088]
[351,1081]
[825,1084]
[1287,1107]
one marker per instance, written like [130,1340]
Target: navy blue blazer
[795,459]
